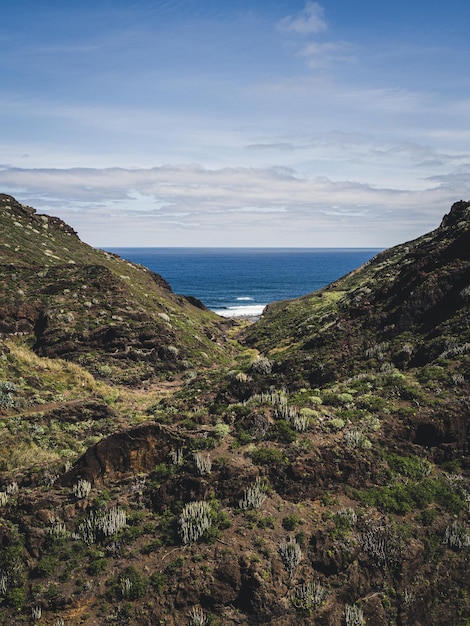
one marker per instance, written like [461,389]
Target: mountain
[89,306]
[159,465]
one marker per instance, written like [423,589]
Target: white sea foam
[241,311]
[247,298]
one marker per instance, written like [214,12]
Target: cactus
[195,519]
[291,555]
[353,615]
[254,495]
[82,489]
[309,596]
[203,463]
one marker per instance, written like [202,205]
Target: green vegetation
[158,462]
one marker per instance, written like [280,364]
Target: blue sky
[241,123]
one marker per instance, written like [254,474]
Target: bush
[269,456]
[290,522]
[15,598]
[47,565]
[158,580]
[162,472]
[411,467]
[97,566]
[131,585]
[428,516]
[402,498]
[371,403]
[283,432]
[338,399]
[390,499]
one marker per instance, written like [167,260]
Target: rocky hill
[117,319]
[319,474]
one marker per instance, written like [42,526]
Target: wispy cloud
[321,54]
[305,25]
[310,20]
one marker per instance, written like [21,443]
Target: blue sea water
[242,281]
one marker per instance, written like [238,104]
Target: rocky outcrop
[125,454]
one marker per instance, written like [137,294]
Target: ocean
[235,282]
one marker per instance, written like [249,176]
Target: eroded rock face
[131,452]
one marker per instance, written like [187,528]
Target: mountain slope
[408,306]
[89,306]
[320,477]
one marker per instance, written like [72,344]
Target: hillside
[311,468]
[118,320]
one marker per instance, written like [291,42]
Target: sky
[240,123]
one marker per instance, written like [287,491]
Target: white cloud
[310,20]
[229,206]
[321,54]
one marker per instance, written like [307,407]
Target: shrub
[290,522]
[130,585]
[261,365]
[404,497]
[391,499]
[267,522]
[335,424]
[282,431]
[372,403]
[411,467]
[428,516]
[158,580]
[221,430]
[97,566]
[15,598]
[269,456]
[315,400]
[47,565]
[152,546]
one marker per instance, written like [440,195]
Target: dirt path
[47,407]
[163,388]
